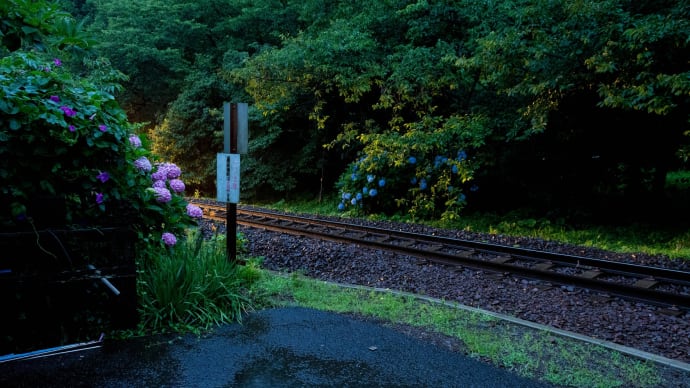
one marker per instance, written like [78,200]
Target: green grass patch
[528,352]
[673,242]
[191,286]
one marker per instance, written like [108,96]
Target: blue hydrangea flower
[354,177]
[341,206]
[373,192]
[412,160]
[382,182]
[347,196]
[437,161]
[365,190]
[370,178]
[413,180]
[462,155]
[354,201]
[461,197]
[474,188]
[359,196]
[454,169]
[422,184]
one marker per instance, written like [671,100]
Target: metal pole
[231,210]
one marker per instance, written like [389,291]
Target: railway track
[667,288]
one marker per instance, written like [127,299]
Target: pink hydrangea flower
[194,211]
[177,185]
[169,239]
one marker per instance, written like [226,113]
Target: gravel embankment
[593,314]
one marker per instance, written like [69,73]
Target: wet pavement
[286,347]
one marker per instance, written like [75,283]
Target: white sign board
[228,178]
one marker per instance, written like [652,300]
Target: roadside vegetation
[197,288]
[672,241]
[413,112]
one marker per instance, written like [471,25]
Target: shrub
[67,141]
[423,187]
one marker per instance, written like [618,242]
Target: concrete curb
[606,344]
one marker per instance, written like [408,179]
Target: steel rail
[498,258]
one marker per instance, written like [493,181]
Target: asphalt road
[286,347]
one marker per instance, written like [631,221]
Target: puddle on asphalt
[251,328]
[285,369]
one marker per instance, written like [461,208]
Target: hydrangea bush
[424,186]
[66,141]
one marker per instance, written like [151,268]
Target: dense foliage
[70,157]
[557,104]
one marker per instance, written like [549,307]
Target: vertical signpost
[235,142]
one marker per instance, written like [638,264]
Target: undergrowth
[192,286]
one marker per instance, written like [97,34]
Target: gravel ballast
[594,314]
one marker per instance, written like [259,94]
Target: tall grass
[192,286]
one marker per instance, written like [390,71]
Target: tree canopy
[555,102]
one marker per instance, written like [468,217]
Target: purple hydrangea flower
[177,185]
[172,170]
[169,239]
[69,112]
[54,98]
[162,194]
[159,175]
[194,211]
[57,62]
[143,164]
[102,128]
[103,176]
[135,141]
[158,184]
[99,198]
[72,128]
